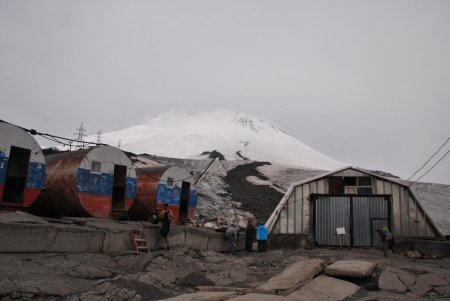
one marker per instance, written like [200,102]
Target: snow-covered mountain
[236,136]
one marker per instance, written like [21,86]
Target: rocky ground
[160,275]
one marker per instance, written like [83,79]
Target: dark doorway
[119,187]
[184,201]
[16,175]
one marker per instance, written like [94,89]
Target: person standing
[385,237]
[261,236]
[250,232]
[166,216]
[231,235]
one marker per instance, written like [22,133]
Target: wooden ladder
[139,241]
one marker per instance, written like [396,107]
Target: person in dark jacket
[250,233]
[166,215]
[261,236]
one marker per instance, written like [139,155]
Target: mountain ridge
[236,136]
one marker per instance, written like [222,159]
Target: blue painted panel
[94,183]
[131,189]
[36,175]
[101,184]
[193,199]
[168,195]
[3,167]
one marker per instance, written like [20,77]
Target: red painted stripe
[30,195]
[96,205]
[100,205]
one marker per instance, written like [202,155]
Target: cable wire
[442,158]
[428,160]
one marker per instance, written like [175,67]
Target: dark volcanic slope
[260,200]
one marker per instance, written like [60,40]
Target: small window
[350,181]
[96,167]
[170,182]
[364,181]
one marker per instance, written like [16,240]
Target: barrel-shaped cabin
[164,185]
[96,182]
[22,168]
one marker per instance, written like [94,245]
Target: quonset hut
[358,201]
[164,185]
[22,168]
[97,182]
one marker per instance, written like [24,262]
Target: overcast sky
[365,82]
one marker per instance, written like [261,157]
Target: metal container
[22,168]
[164,185]
[92,182]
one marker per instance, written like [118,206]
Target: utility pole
[80,134]
[119,144]
[99,136]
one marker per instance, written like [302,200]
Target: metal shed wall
[13,137]
[408,219]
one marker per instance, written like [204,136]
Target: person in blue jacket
[261,236]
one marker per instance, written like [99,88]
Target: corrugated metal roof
[435,199]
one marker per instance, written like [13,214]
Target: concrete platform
[22,232]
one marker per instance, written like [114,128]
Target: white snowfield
[179,135]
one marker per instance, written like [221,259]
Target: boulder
[351,268]
[260,297]
[443,290]
[295,275]
[389,281]
[433,279]
[407,278]
[420,288]
[414,254]
[204,296]
[324,288]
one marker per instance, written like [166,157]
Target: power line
[442,158]
[429,160]
[50,136]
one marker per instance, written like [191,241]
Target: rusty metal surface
[147,182]
[60,193]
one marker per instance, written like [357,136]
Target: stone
[89,272]
[260,297]
[420,288]
[433,279]
[414,254]
[324,288]
[407,278]
[351,268]
[204,296]
[294,275]
[389,296]
[443,290]
[389,281]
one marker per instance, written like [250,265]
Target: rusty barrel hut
[164,185]
[22,168]
[98,182]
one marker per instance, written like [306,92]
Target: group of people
[260,234]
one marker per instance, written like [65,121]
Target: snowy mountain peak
[234,135]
